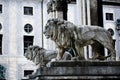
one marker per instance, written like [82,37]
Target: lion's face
[52,28]
[34,53]
[49,29]
[28,54]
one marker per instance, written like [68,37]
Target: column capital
[57,5]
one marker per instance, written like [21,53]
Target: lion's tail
[107,56]
[103,57]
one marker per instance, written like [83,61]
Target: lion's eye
[46,27]
[30,48]
[49,20]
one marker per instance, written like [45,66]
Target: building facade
[111,18]
[22,23]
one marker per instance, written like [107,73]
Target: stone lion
[67,35]
[42,56]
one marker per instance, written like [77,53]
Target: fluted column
[83,14]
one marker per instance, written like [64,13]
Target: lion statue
[67,35]
[42,56]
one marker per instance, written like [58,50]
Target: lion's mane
[42,56]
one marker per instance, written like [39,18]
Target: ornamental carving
[57,5]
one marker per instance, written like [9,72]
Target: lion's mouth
[49,36]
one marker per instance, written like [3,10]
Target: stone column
[81,20]
[79,12]
[57,9]
[83,14]
[96,17]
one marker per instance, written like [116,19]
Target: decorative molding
[111,3]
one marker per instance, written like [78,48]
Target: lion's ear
[55,21]
[49,20]
[60,22]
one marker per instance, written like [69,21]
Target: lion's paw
[54,59]
[74,58]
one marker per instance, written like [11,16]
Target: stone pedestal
[75,70]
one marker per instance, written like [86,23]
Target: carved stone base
[75,70]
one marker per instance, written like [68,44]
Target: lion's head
[43,56]
[34,53]
[54,28]
[59,30]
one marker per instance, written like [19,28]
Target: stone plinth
[74,70]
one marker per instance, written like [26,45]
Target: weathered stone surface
[79,78]
[83,63]
[81,70]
